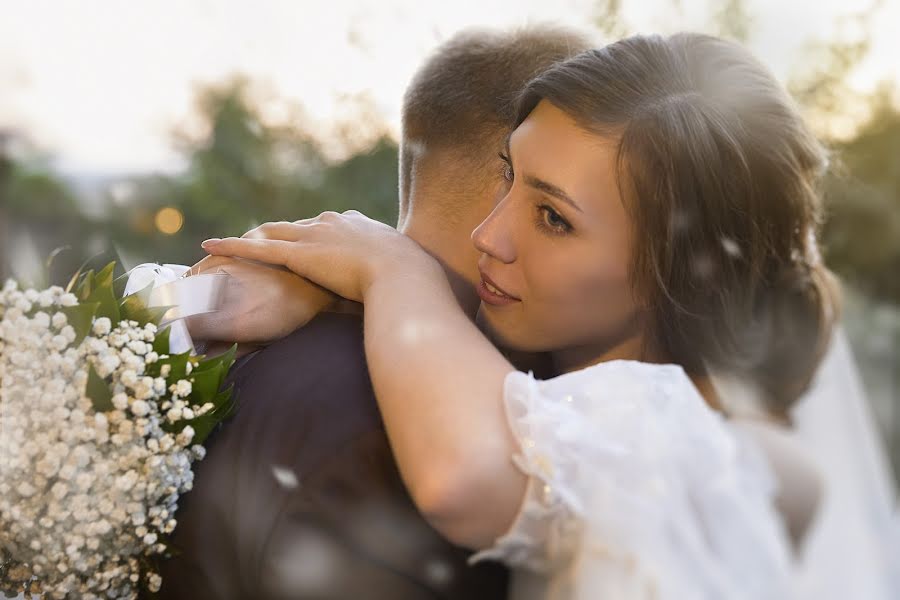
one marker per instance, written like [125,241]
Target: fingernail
[210,242]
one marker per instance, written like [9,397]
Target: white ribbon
[187,296]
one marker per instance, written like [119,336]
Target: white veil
[853,548]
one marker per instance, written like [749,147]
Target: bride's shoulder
[665,388]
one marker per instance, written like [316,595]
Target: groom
[299,496]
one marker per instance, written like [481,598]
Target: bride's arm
[438,381]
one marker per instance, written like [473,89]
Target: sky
[100,85]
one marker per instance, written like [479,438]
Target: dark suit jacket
[299,496]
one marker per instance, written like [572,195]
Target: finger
[210,264]
[274,252]
[275,230]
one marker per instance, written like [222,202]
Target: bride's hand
[260,303]
[344,253]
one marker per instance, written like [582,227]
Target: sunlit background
[133,130]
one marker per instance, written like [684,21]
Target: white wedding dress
[637,489]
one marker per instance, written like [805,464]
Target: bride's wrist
[413,265]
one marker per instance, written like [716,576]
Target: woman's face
[558,246]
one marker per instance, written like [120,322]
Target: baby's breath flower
[85,495]
[183,388]
[140,408]
[59,320]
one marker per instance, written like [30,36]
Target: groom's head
[457,111]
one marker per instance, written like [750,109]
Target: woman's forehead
[551,146]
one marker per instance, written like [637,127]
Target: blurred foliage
[241,171]
[862,233]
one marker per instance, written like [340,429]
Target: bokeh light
[169,220]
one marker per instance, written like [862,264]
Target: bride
[659,228]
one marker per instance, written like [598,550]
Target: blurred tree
[609,20]
[39,213]
[732,20]
[243,171]
[862,233]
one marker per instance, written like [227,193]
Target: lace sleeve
[545,529]
[631,472]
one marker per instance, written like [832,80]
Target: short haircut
[463,99]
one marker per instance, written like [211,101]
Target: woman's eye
[554,220]
[506,170]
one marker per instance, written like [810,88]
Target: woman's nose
[494,236]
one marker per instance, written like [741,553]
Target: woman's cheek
[597,300]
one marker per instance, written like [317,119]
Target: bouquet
[99,425]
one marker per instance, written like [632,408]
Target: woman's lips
[491,294]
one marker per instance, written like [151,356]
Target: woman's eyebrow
[551,190]
[541,185]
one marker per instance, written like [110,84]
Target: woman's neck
[629,347]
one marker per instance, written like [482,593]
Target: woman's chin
[505,335]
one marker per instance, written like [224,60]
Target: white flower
[154,582]
[186,436]
[140,408]
[174,414]
[68,300]
[128,377]
[102,326]
[143,389]
[75,483]
[138,347]
[183,388]
[166,442]
[120,401]
[59,342]
[59,320]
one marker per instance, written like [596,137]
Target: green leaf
[98,391]
[85,286]
[226,359]
[81,318]
[134,305]
[225,408]
[203,426]
[108,307]
[154,314]
[179,366]
[226,403]
[161,342]
[105,277]
[205,384]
